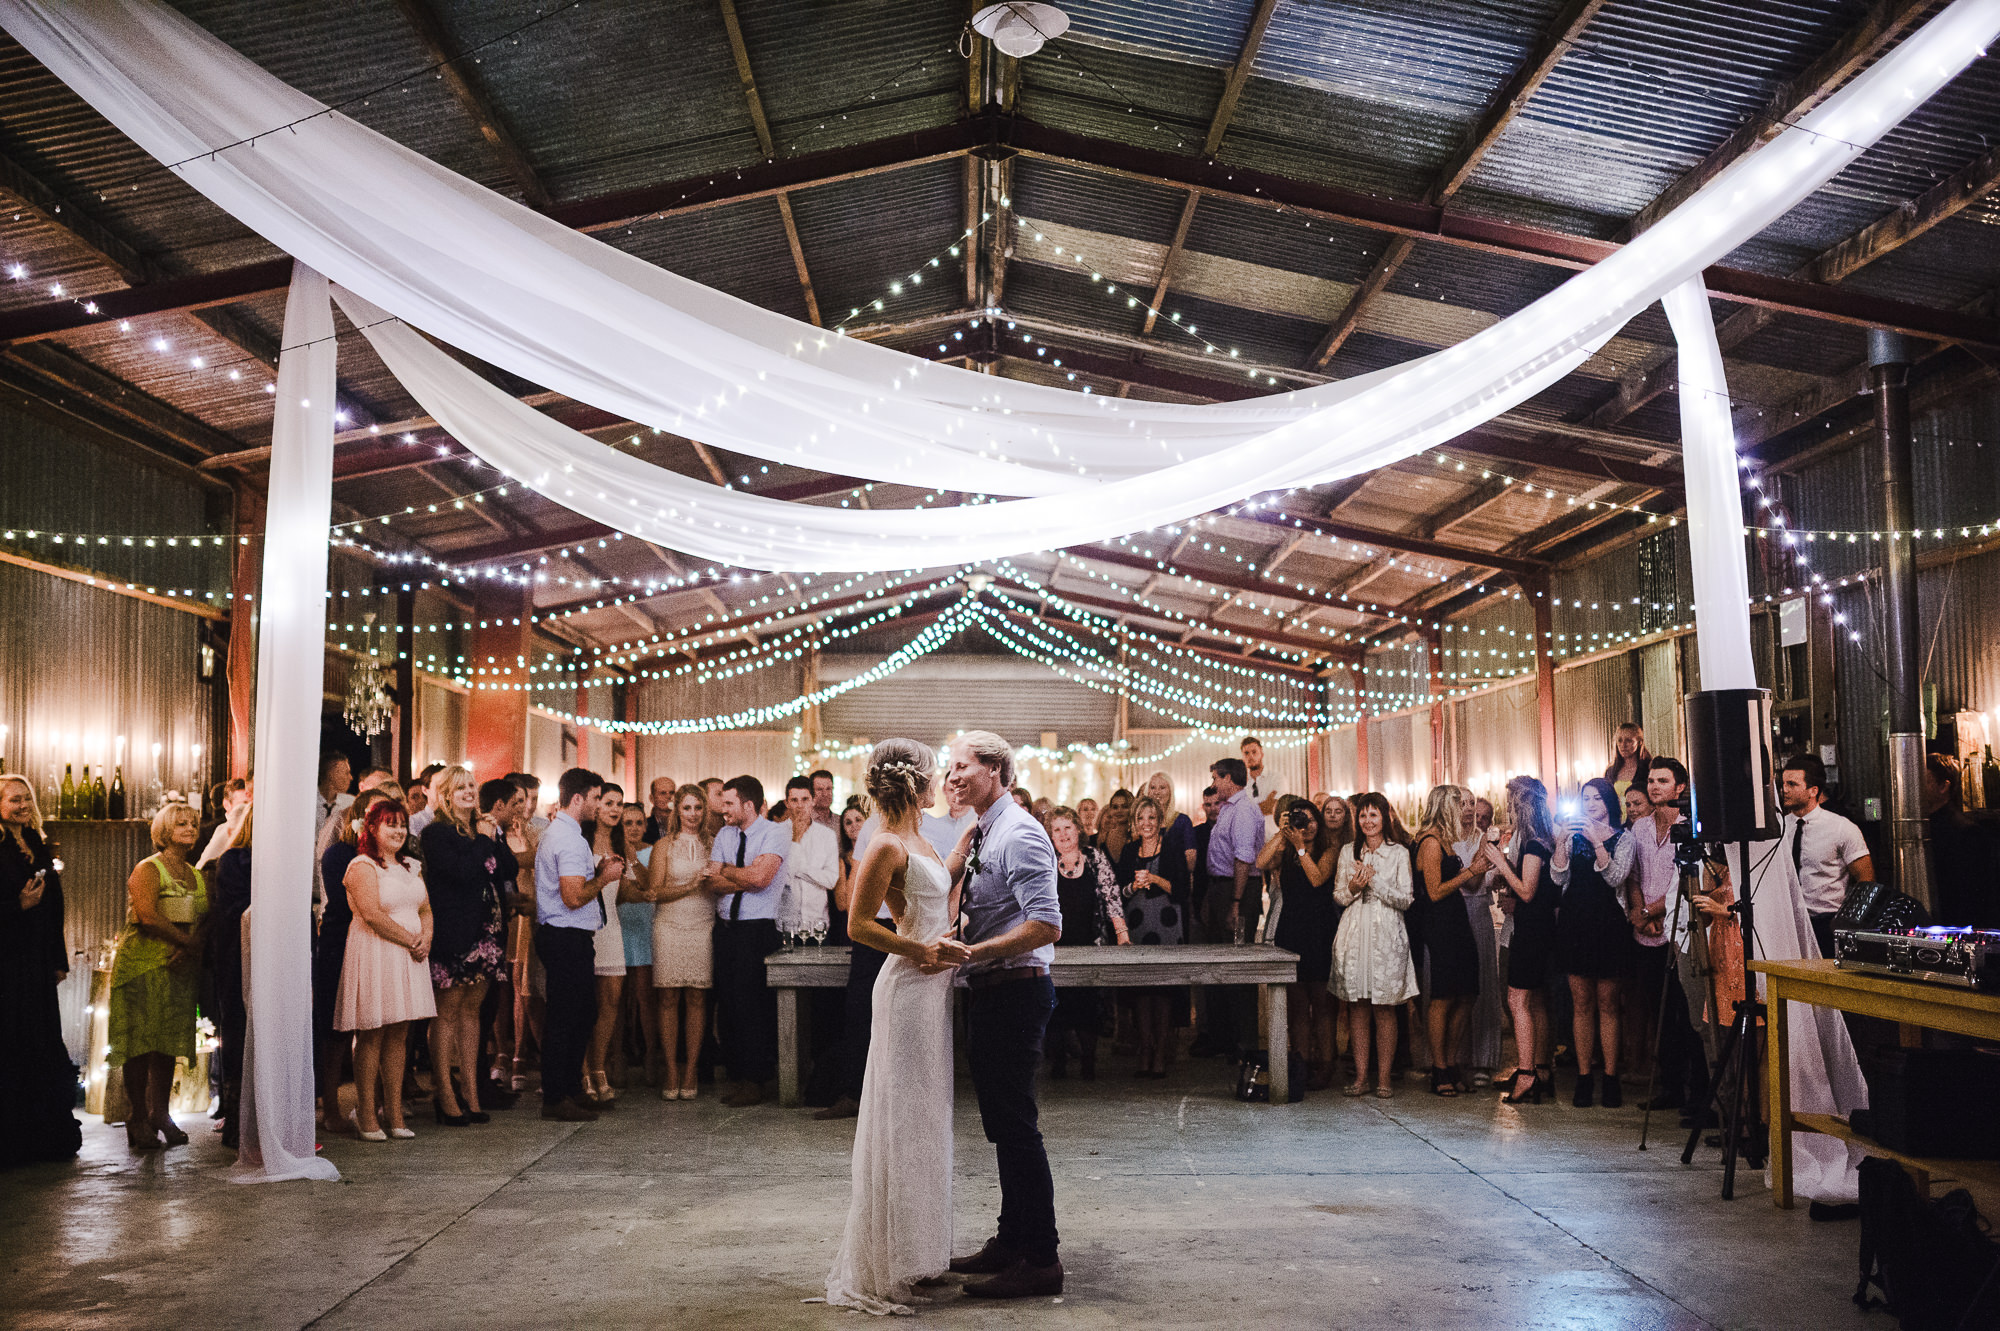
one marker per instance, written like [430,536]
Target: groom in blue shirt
[1012,922]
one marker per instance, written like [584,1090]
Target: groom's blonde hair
[991,750]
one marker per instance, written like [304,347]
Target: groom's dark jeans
[1004,1024]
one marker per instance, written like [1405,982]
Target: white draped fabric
[1714,496]
[277,1110]
[1825,1075]
[561,309]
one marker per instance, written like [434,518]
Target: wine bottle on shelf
[1989,776]
[100,798]
[67,809]
[117,804]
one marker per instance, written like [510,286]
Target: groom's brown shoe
[845,1107]
[988,1261]
[1019,1281]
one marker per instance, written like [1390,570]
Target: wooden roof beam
[1500,112]
[1884,22]
[466,88]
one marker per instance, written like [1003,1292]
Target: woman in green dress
[156,976]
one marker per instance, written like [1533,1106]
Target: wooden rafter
[1239,75]
[762,125]
[465,87]
[1501,109]
[1881,25]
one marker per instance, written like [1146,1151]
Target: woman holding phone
[36,1122]
[1372,971]
[1592,860]
[1520,869]
[1300,859]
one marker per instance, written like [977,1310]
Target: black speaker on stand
[1733,798]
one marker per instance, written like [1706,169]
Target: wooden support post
[1545,679]
[1360,728]
[496,716]
[583,724]
[406,687]
[630,741]
[1434,657]
[240,668]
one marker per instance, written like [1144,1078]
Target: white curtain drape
[506,284]
[277,1109]
[1714,495]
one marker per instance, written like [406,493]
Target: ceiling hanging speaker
[1020,27]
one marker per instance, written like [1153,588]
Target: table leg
[1279,1044]
[788,1048]
[1778,1062]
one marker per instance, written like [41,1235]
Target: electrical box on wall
[1801,674]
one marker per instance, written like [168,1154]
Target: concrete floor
[1179,1208]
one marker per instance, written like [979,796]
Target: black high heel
[1518,1095]
[448,1120]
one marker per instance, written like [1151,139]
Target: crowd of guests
[592,936]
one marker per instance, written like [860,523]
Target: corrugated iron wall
[105,667]
[55,483]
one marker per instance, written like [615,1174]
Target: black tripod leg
[1716,1081]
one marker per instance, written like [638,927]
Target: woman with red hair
[384,981]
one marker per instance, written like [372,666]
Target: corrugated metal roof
[859,236]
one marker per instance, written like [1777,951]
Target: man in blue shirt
[1235,895]
[569,909]
[1012,922]
[746,875]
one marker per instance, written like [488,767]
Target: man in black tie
[1827,850]
[746,875]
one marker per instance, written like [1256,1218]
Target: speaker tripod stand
[1733,1080]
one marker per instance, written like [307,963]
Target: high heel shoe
[445,1120]
[1517,1094]
[1585,1090]
[171,1133]
[141,1136]
[402,1134]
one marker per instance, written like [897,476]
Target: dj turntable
[1965,957]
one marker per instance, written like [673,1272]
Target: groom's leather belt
[1005,975]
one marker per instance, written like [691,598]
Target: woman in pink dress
[385,983]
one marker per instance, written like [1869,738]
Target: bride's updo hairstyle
[899,777]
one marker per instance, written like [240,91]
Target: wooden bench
[1269,968]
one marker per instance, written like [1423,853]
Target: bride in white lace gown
[899,1215]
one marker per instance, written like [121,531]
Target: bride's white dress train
[899,1217]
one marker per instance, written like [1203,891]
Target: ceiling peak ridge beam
[1505,105]
[466,88]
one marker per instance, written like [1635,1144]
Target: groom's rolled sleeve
[1031,874]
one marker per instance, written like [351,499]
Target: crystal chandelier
[369,707]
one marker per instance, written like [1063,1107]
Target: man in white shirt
[746,875]
[1265,789]
[1829,851]
[822,792]
[235,807]
[1672,928]
[569,909]
[944,830]
[813,867]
